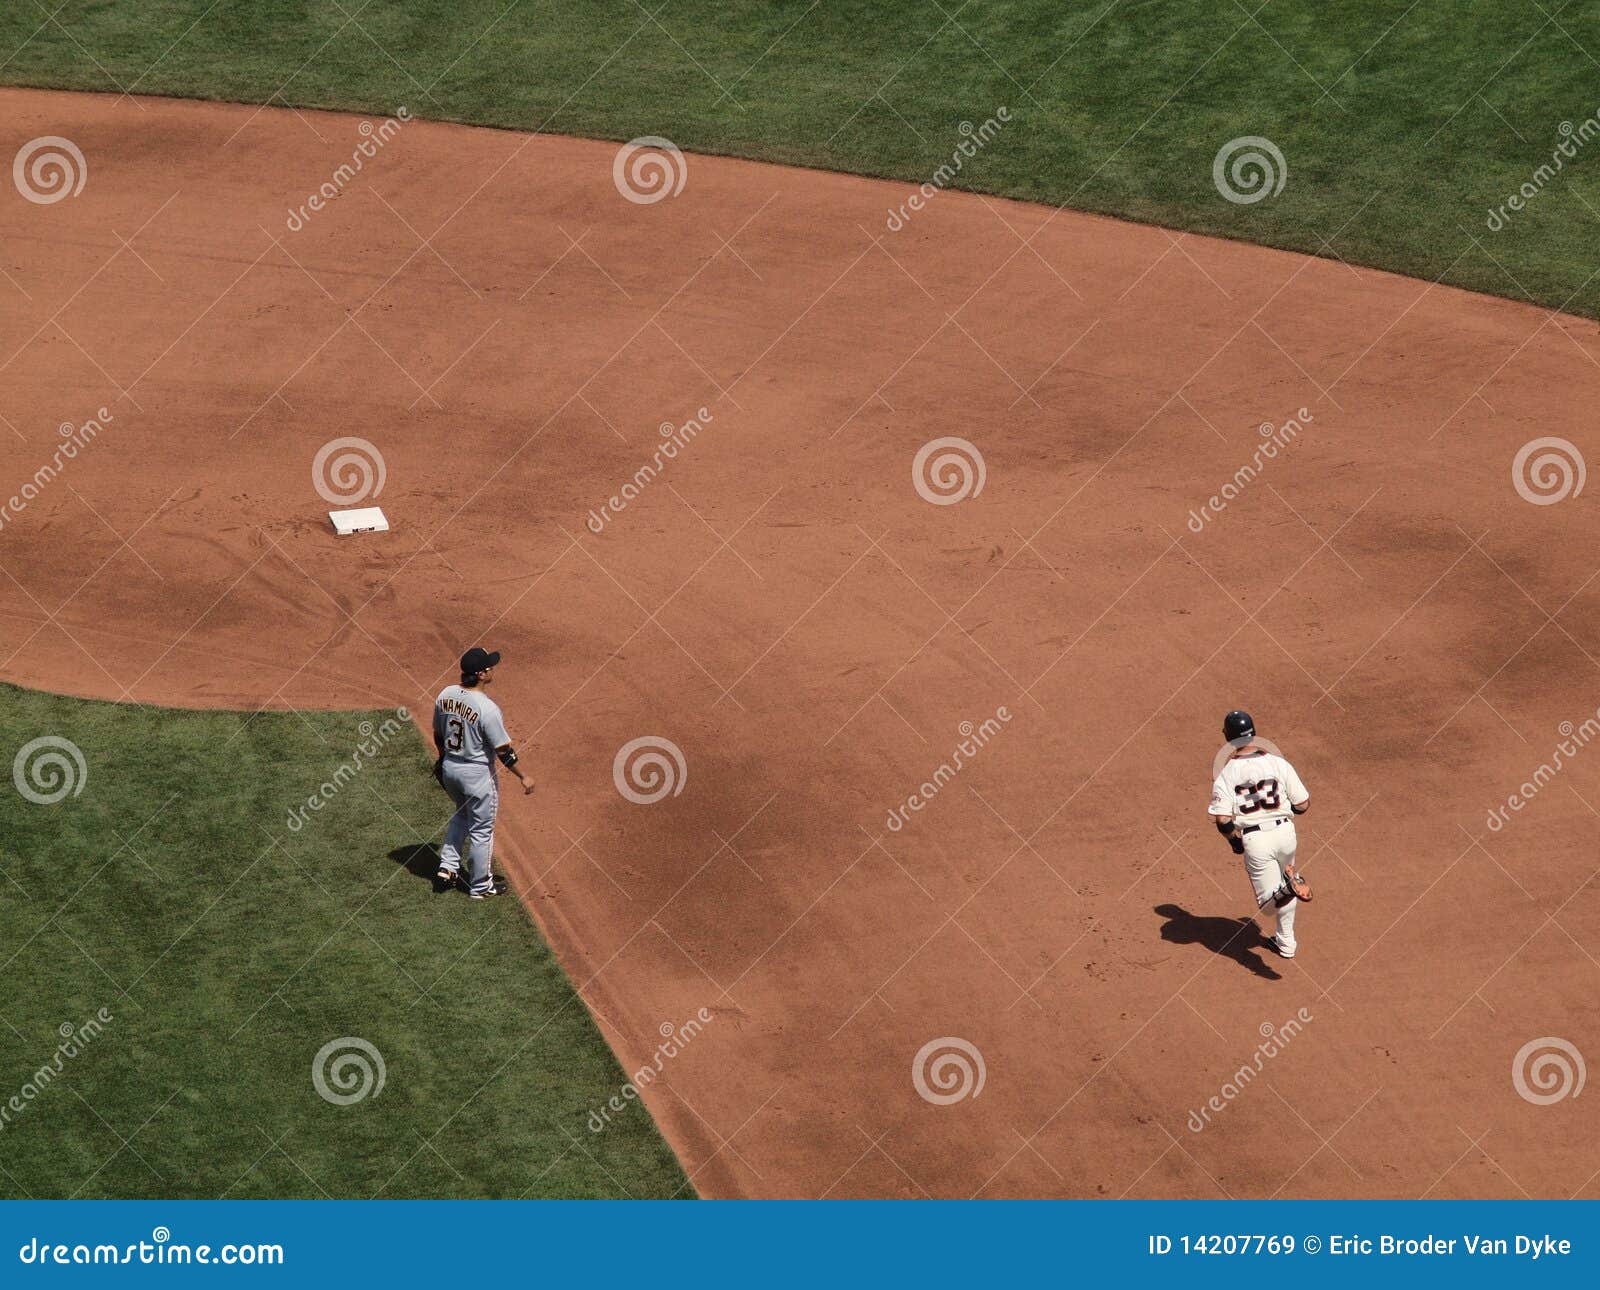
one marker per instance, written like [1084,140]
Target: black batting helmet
[1237,726]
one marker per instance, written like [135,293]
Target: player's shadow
[421,861]
[1238,939]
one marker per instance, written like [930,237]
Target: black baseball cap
[478,659]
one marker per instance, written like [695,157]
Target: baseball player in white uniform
[470,734]
[1253,803]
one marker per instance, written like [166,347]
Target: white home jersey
[1256,787]
[468,725]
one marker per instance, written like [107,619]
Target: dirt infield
[781,602]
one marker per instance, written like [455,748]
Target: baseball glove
[1294,888]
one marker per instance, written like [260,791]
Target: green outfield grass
[1402,124]
[205,951]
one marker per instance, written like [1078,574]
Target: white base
[368,519]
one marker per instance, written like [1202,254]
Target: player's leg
[1266,877]
[455,832]
[1283,856]
[485,805]
[1260,868]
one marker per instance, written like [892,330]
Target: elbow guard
[507,756]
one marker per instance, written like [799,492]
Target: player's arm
[1220,813]
[1299,797]
[509,759]
[438,746]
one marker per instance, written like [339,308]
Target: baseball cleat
[496,887]
[444,880]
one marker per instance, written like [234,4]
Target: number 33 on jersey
[1257,786]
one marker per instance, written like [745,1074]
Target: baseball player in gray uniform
[470,734]
[1253,803]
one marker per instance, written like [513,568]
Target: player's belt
[1270,824]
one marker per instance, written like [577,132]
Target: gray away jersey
[468,725]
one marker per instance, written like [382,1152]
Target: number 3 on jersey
[455,734]
[1259,796]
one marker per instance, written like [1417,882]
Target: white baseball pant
[1266,852]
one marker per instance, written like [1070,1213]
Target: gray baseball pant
[473,789]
